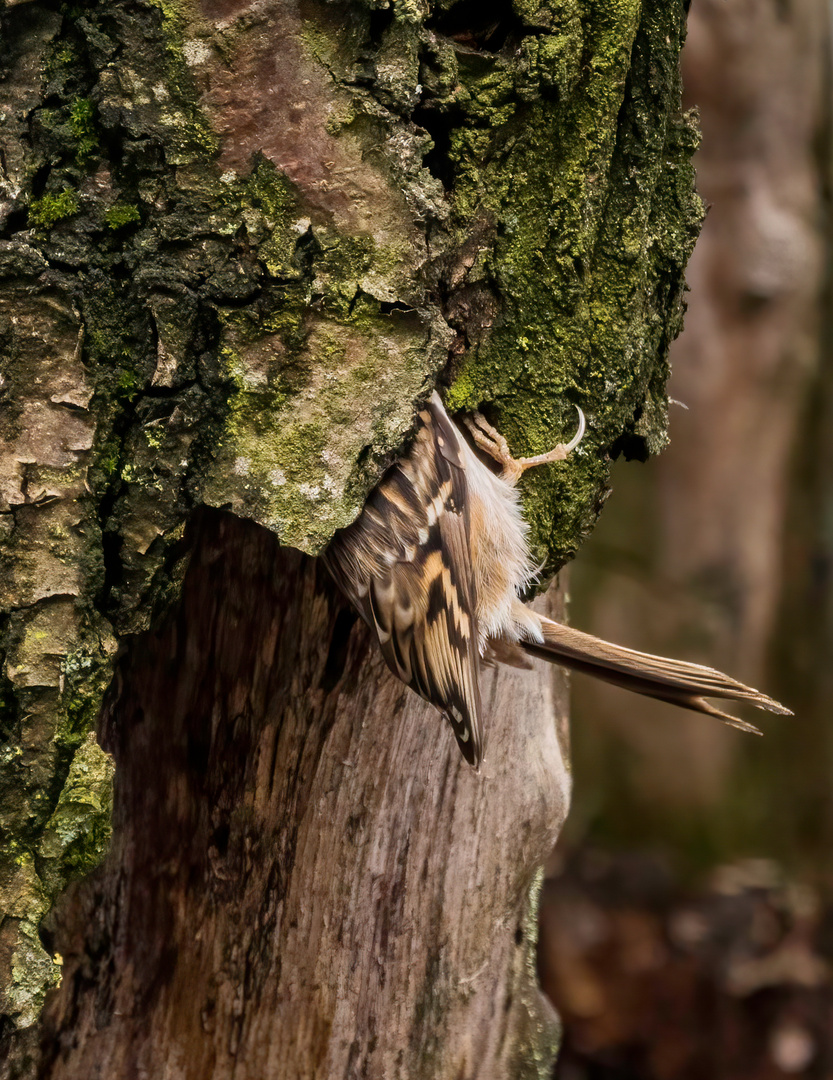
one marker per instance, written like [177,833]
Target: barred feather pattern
[406,565]
[436,564]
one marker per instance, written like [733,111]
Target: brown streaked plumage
[436,564]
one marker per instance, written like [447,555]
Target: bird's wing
[406,565]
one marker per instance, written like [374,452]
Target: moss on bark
[248,314]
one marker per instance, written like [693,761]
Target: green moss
[292,249]
[594,216]
[121,214]
[336,51]
[282,385]
[269,203]
[23,902]
[174,22]
[538,1035]
[115,343]
[128,386]
[60,61]
[188,135]
[108,460]
[50,209]
[270,190]
[82,125]
[85,675]
[295,468]
[78,832]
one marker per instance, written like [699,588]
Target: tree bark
[306,879]
[241,243]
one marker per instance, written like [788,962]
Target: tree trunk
[241,242]
[306,879]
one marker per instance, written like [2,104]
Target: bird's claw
[488,439]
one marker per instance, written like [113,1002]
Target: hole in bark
[380,20]
[478,25]
[337,655]
[16,221]
[9,711]
[631,446]
[307,250]
[220,838]
[388,307]
[111,545]
[39,180]
[197,751]
[439,126]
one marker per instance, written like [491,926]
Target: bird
[438,561]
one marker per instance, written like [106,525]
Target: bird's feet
[495,445]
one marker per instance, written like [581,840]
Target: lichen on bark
[240,243]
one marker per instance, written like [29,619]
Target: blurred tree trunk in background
[657,981]
[704,547]
[720,550]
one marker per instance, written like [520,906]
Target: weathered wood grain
[306,879]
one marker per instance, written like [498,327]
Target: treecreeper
[437,563]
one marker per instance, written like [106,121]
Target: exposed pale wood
[306,880]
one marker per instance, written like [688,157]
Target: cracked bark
[241,241]
[305,879]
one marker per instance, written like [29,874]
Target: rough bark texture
[240,241]
[284,895]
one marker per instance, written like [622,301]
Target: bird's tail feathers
[676,681]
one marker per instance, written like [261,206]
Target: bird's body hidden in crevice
[437,562]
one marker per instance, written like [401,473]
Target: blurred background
[687,919]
